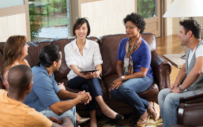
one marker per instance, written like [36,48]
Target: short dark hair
[137,20]
[19,77]
[193,26]
[79,22]
[48,55]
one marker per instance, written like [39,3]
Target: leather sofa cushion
[33,51]
[1,65]
[2,47]
[109,48]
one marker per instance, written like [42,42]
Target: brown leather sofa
[190,112]
[108,46]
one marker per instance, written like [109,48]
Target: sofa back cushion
[33,51]
[2,47]
[109,47]
[1,66]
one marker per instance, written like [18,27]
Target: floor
[129,121]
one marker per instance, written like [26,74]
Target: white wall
[106,16]
[14,20]
[12,25]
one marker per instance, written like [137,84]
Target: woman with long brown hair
[15,51]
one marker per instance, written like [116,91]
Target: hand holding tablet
[88,71]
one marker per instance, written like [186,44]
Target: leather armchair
[190,111]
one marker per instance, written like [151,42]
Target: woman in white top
[82,54]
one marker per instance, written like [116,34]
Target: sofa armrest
[191,106]
[161,69]
[192,100]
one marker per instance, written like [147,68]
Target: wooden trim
[27,20]
[163,21]
[74,12]
[87,1]
[135,6]
[15,10]
[12,10]
[159,16]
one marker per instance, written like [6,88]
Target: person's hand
[61,86]
[84,97]
[88,75]
[175,84]
[96,74]
[81,92]
[53,119]
[175,90]
[116,84]
[89,98]
[88,94]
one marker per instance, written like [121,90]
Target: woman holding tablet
[84,59]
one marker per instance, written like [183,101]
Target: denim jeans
[128,93]
[89,85]
[69,113]
[169,103]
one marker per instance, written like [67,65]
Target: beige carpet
[129,121]
[175,59]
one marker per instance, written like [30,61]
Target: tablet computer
[88,71]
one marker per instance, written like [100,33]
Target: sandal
[83,120]
[143,119]
[154,110]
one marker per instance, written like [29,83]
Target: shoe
[154,110]
[119,117]
[83,120]
[143,120]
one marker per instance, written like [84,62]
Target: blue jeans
[169,103]
[89,85]
[69,113]
[128,93]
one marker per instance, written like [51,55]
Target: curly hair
[137,20]
[193,26]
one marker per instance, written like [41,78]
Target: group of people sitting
[48,103]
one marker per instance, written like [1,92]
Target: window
[49,19]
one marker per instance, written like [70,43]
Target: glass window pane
[49,19]
[147,8]
[8,3]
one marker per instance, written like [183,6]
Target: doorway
[150,11]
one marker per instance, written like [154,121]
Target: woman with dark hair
[15,51]
[83,54]
[133,68]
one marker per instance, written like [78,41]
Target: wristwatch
[123,78]
[181,90]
